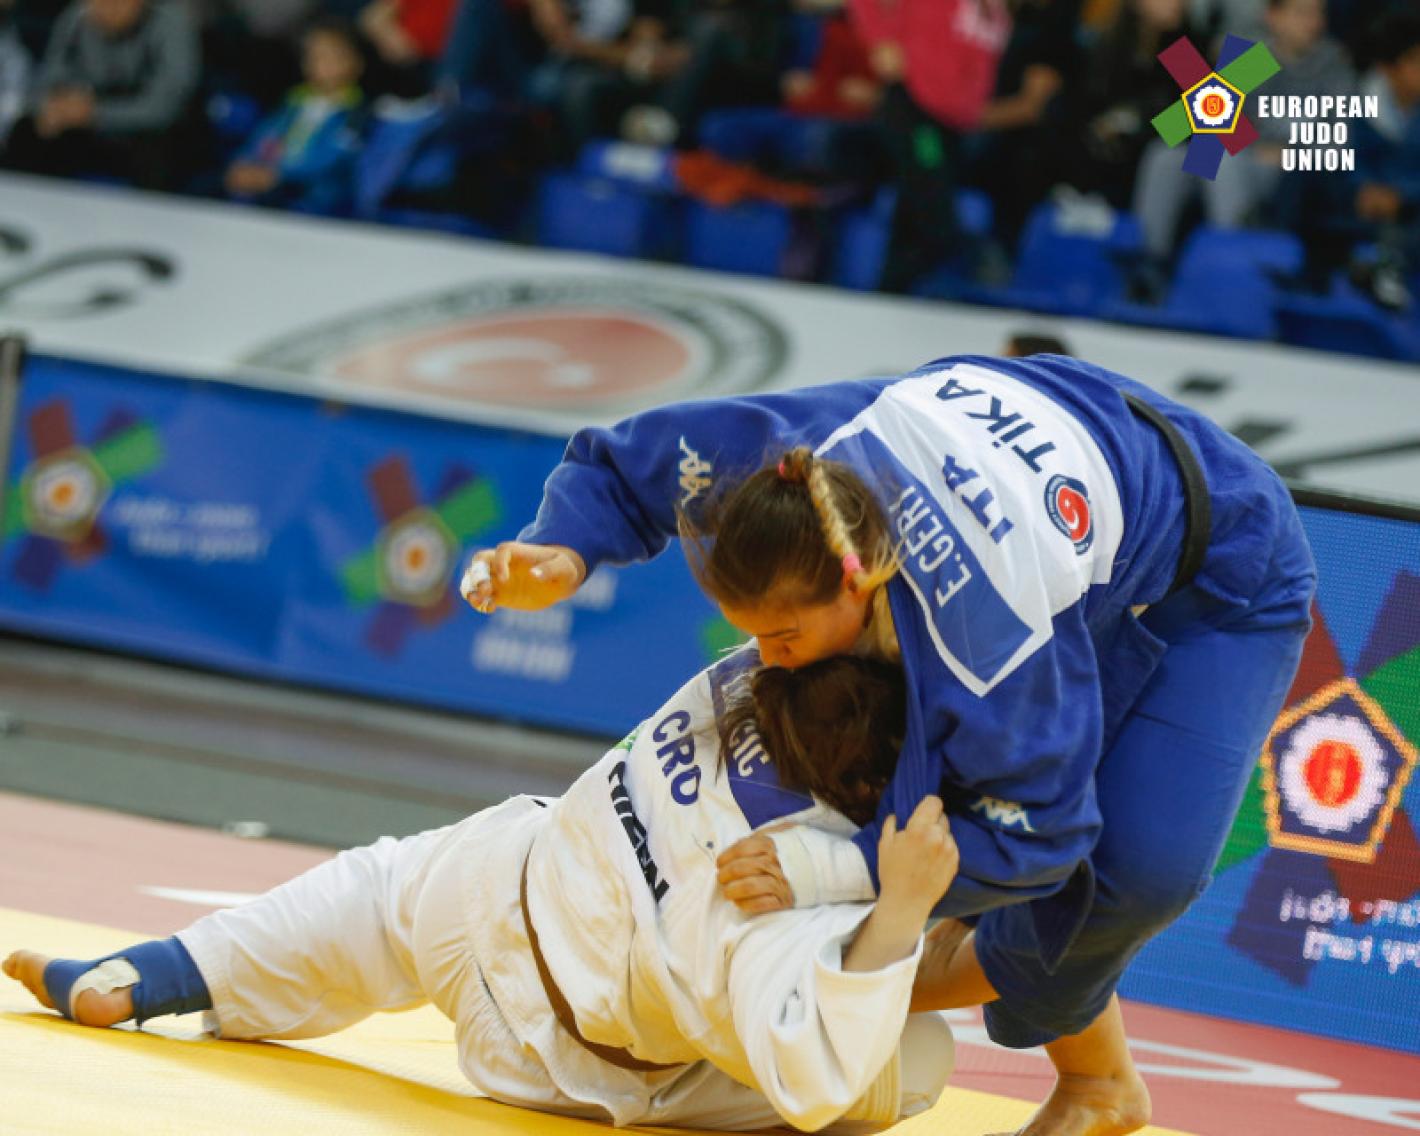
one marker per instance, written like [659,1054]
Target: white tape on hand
[475,576]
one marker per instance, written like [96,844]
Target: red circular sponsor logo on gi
[1068,504]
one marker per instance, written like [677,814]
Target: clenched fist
[916,864]
[525,577]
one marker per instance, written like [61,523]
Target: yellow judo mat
[393,1073]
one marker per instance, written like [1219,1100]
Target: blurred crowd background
[996,151]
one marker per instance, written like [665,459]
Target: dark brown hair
[833,728]
[785,531]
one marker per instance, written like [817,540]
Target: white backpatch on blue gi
[963,460]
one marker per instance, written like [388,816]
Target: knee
[1151,895]
[928,1061]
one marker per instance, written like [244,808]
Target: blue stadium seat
[232,116]
[1348,322]
[414,150]
[752,238]
[1071,261]
[779,140]
[594,214]
[805,40]
[650,167]
[1227,283]
[862,240]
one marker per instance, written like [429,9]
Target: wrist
[904,910]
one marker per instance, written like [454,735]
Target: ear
[855,588]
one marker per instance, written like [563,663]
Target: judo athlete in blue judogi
[1098,596]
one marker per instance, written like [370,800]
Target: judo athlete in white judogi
[674,1007]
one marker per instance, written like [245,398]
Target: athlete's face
[794,635]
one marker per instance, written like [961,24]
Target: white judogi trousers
[399,922]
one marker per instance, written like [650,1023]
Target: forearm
[888,935]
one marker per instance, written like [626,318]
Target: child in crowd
[301,156]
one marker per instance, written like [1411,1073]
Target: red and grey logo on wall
[1068,504]
[1334,769]
[575,345]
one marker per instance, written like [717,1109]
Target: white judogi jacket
[624,899]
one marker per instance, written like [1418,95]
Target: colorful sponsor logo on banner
[1324,847]
[60,494]
[408,571]
[1334,769]
[568,344]
[1209,114]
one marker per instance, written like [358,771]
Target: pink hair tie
[851,565]
[782,475]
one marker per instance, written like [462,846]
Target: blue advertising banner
[1312,920]
[289,538]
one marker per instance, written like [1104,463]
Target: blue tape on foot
[169,981]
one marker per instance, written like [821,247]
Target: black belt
[562,1010]
[1197,504]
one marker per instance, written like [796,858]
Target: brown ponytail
[793,531]
[833,728]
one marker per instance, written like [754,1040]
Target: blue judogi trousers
[1169,785]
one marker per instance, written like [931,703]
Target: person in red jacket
[938,60]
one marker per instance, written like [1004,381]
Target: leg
[925,157]
[1192,740]
[1098,1092]
[1161,194]
[321,952]
[308,958]
[1241,186]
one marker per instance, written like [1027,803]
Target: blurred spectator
[1378,205]
[587,60]
[937,60]
[1386,201]
[114,95]
[1110,110]
[251,46]
[14,71]
[842,83]
[612,58]
[35,20]
[1017,126]
[731,57]
[302,155]
[1312,64]
[408,38]
[1216,19]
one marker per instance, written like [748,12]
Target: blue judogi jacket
[1033,510]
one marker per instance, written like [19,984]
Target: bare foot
[1091,1106]
[91,1009]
